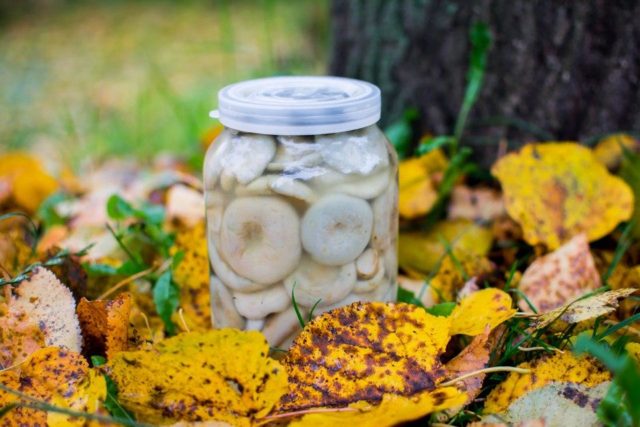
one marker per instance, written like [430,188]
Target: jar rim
[298,105]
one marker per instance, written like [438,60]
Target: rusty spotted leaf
[392,410]
[57,376]
[416,185]
[559,190]
[473,357]
[454,273]
[486,307]
[192,277]
[420,253]
[30,183]
[41,306]
[362,352]
[560,277]
[223,375]
[563,367]
[105,324]
[581,310]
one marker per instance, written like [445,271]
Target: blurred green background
[85,80]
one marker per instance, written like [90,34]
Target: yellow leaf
[608,151]
[564,367]
[488,306]
[222,375]
[559,190]
[29,182]
[560,277]
[417,192]
[57,376]
[105,325]
[391,411]
[633,348]
[581,310]
[421,253]
[192,277]
[451,274]
[362,352]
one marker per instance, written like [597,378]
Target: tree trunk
[556,69]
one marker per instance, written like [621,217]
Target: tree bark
[569,68]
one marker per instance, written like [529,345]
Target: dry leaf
[417,189]
[43,303]
[473,357]
[556,404]
[15,252]
[562,367]
[192,277]
[581,310]
[30,183]
[222,375]
[362,352]
[57,376]
[633,348]
[559,190]
[487,307]
[560,277]
[421,253]
[185,205]
[608,151]
[391,411]
[452,274]
[475,204]
[105,325]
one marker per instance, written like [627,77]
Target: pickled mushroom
[313,283]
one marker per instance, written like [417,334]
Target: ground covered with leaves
[517,302]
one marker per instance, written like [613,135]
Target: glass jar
[301,198]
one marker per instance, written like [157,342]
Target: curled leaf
[473,357]
[562,367]
[581,310]
[222,375]
[105,324]
[487,307]
[558,190]
[560,277]
[362,352]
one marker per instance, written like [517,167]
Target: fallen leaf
[222,375]
[417,189]
[454,273]
[391,411]
[40,302]
[559,190]
[475,204]
[30,183]
[562,367]
[581,310]
[185,205]
[487,307]
[473,357]
[105,325]
[556,404]
[57,376]
[192,277]
[560,277]
[633,348]
[421,253]
[362,352]
[609,150]
[15,252]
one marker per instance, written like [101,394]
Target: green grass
[85,81]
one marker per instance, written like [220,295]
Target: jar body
[313,217]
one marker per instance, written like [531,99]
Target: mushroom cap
[225,273]
[50,305]
[258,305]
[223,311]
[260,238]
[337,228]
[319,282]
[385,215]
[212,161]
[280,326]
[367,264]
[284,185]
[364,286]
[361,151]
[295,152]
[247,156]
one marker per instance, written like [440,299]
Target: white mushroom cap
[364,187]
[260,238]
[337,228]
[280,326]
[367,285]
[284,185]
[213,160]
[227,181]
[223,311]
[385,218]
[226,274]
[361,151]
[318,282]
[254,324]
[295,152]
[367,264]
[247,156]
[258,305]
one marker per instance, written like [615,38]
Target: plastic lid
[298,105]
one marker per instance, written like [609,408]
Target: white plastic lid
[298,105]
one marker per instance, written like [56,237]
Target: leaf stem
[485,371]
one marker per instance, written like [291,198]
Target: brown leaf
[105,325]
[560,277]
[475,204]
[473,357]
